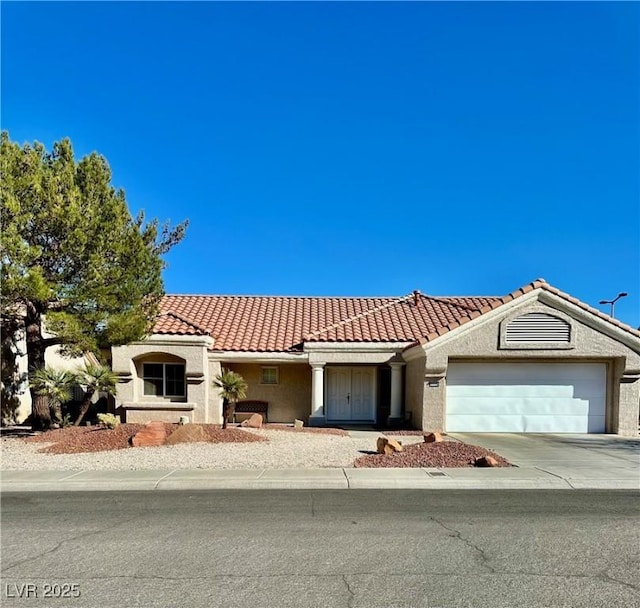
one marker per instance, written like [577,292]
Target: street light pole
[622,294]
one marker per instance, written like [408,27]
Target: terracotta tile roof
[283,324]
[399,320]
[173,324]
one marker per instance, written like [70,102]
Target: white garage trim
[526,397]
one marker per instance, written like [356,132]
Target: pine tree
[71,252]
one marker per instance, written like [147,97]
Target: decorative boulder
[485,461]
[187,433]
[253,422]
[432,437]
[152,434]
[388,446]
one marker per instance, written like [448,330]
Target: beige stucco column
[396,392]
[317,395]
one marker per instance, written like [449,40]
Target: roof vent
[416,297]
[538,327]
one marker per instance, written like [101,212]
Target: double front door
[350,394]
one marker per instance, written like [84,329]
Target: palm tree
[54,385]
[232,388]
[94,378]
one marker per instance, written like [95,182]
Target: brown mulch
[445,454]
[76,439]
[306,429]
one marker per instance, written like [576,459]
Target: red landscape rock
[388,446]
[153,433]
[187,433]
[432,437]
[485,461]
[254,422]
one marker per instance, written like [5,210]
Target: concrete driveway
[577,457]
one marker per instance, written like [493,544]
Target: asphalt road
[454,549]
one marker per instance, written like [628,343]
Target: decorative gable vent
[537,327]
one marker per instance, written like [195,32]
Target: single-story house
[535,360]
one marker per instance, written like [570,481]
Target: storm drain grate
[436,474]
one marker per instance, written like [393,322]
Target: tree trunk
[227,409]
[84,406]
[56,413]
[40,410]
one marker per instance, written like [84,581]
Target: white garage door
[526,397]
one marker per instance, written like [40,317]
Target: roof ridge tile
[170,313]
[358,316]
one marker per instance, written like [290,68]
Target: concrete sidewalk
[199,479]
[541,461]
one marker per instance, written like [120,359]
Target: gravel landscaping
[273,447]
[445,454]
[76,439]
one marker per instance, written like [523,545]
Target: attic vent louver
[538,327]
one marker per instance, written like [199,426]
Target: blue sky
[354,148]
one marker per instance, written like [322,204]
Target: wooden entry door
[350,394]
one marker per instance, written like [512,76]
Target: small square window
[268,375]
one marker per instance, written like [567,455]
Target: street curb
[516,478]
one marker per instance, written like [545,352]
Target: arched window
[163,375]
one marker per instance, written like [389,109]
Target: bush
[108,420]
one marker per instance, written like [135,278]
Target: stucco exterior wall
[289,399]
[127,364]
[481,342]
[414,390]
[214,404]
[142,416]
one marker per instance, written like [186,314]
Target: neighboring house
[53,358]
[536,360]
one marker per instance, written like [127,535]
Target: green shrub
[108,420]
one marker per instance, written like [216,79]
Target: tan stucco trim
[355,347]
[168,340]
[256,357]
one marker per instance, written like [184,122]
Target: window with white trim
[269,375]
[164,379]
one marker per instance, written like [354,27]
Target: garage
[526,397]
